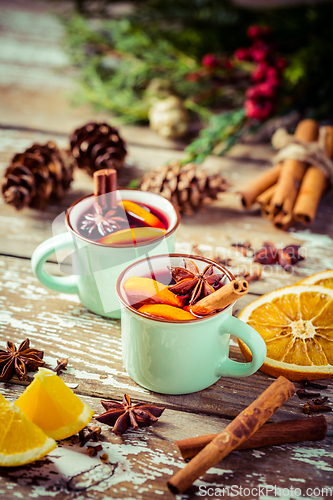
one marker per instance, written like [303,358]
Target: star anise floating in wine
[19,360]
[124,415]
[104,223]
[192,283]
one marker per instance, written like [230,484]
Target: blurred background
[230,69]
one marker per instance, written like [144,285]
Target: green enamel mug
[97,265]
[181,357]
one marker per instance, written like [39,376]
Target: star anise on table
[123,415]
[105,223]
[18,360]
[193,284]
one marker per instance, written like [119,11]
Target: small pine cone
[96,146]
[39,175]
[188,187]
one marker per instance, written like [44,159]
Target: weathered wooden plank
[62,327]
[140,463]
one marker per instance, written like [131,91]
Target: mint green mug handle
[256,344]
[66,284]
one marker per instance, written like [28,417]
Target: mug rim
[124,245]
[172,321]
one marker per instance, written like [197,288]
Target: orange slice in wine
[167,312]
[132,236]
[142,214]
[146,290]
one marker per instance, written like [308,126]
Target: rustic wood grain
[140,463]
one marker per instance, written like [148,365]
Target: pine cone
[188,187]
[39,175]
[96,146]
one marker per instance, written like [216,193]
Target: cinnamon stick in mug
[105,187]
[293,171]
[220,299]
[314,182]
[259,185]
[287,431]
[238,431]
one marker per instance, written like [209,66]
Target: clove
[320,401]
[93,450]
[62,365]
[92,435]
[311,408]
[302,393]
[313,385]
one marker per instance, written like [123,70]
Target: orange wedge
[147,290]
[53,406]
[166,312]
[324,278]
[132,236]
[21,441]
[141,213]
[296,324]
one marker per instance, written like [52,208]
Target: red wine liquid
[93,233]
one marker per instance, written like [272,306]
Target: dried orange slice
[296,323]
[324,278]
[53,406]
[21,441]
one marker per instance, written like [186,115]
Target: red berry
[258,31]
[260,51]
[272,73]
[259,74]
[260,110]
[264,89]
[210,61]
[242,54]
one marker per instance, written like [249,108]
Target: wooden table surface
[34,107]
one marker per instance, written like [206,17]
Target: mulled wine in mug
[176,321]
[106,233]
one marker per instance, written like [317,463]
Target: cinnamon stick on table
[292,171]
[105,187]
[220,299]
[259,185]
[238,431]
[287,431]
[264,200]
[314,182]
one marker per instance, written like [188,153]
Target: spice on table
[320,401]
[313,385]
[192,283]
[302,393]
[62,365]
[124,415]
[19,360]
[220,299]
[93,434]
[311,408]
[104,457]
[93,450]
[238,431]
[287,431]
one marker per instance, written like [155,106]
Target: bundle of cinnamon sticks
[290,191]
